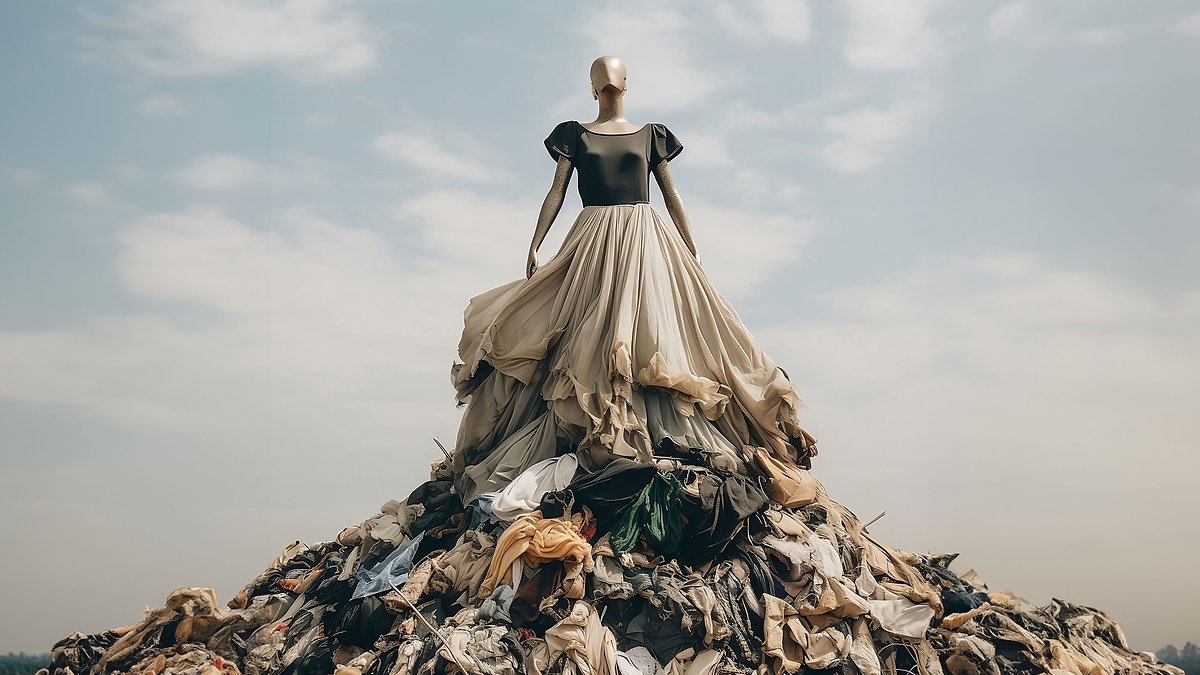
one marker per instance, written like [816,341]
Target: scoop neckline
[597,133]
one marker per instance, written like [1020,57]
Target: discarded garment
[525,493]
[718,508]
[534,540]
[654,515]
[789,645]
[902,617]
[610,490]
[585,644]
[393,569]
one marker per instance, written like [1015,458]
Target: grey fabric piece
[497,606]
[262,610]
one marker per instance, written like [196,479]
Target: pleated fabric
[617,345]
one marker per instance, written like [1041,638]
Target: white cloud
[418,150]
[726,238]
[866,135]
[1189,25]
[128,172]
[218,171]
[1009,20]
[656,44]
[319,120]
[787,20]
[161,104]
[892,35]
[1096,36]
[88,193]
[179,38]
[706,149]
[308,316]
[25,176]
[1014,22]
[303,315]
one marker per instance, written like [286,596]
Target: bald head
[607,71]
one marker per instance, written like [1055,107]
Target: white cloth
[902,617]
[524,494]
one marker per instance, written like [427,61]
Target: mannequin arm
[674,204]
[550,208]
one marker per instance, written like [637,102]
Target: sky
[237,239]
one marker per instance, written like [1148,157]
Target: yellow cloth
[535,540]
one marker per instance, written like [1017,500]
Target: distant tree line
[1187,658]
[22,663]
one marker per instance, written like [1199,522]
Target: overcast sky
[236,242]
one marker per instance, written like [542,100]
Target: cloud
[1096,36]
[707,149]
[1189,25]
[1009,20]
[319,120]
[986,403]
[301,314]
[866,135]
[25,176]
[656,44]
[786,20]
[219,172]
[161,105]
[893,35]
[309,316]
[728,237]
[88,193]
[310,39]
[419,151]
[1014,22]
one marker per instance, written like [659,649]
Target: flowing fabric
[616,346]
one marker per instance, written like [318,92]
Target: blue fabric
[480,511]
[394,569]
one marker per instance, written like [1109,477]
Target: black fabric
[664,638]
[316,660]
[81,652]
[613,168]
[438,510]
[360,622]
[761,579]
[556,504]
[608,491]
[715,515]
[664,145]
[428,490]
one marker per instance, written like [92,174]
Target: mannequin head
[608,73]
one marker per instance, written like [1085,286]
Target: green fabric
[655,515]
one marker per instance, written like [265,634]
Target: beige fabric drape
[586,351]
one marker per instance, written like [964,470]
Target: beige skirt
[615,347]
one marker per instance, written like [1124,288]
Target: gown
[618,346]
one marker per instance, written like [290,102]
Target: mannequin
[608,78]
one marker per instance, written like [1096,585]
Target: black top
[613,168]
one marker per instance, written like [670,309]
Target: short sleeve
[664,146]
[561,141]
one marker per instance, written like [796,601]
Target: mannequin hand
[531,264]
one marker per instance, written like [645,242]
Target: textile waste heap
[636,569]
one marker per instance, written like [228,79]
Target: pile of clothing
[676,567]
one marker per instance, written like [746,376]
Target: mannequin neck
[611,106]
